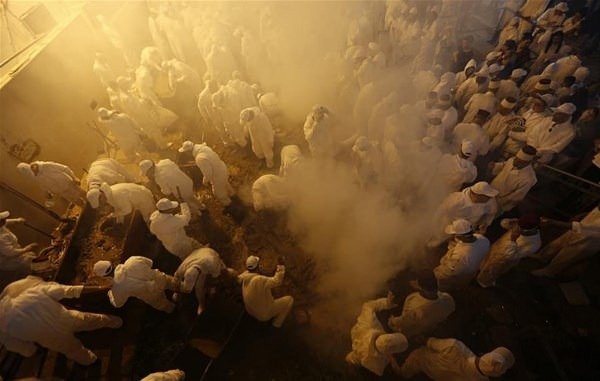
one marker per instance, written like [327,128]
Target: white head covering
[483,188]
[25,169]
[93,197]
[145,165]
[467,147]
[472,63]
[496,362]
[459,226]
[581,73]
[565,108]
[391,343]
[495,68]
[102,268]
[186,146]
[518,73]
[4,214]
[246,115]
[252,262]
[166,204]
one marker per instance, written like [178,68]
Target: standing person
[457,169]
[193,271]
[465,253]
[172,181]
[521,240]
[125,131]
[498,125]
[14,258]
[262,136]
[452,360]
[318,132]
[476,204]
[169,227]
[423,310]
[31,313]
[258,299]
[551,135]
[514,178]
[475,133]
[55,179]
[136,278]
[580,242]
[214,170]
[372,347]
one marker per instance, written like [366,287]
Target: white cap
[493,55]
[483,188]
[390,343]
[252,262]
[496,362]
[102,268]
[563,7]
[186,146]
[581,73]
[565,108]
[495,68]
[548,99]
[166,204]
[459,226]
[518,73]
[25,169]
[467,148]
[145,165]
[104,113]
[93,197]
[508,103]
[4,214]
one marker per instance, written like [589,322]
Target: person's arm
[277,279]
[190,278]
[185,216]
[117,300]
[559,145]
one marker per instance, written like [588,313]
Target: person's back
[256,291]
[420,314]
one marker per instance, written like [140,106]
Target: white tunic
[456,171]
[547,137]
[512,183]
[474,133]
[172,180]
[461,262]
[205,261]
[270,192]
[214,172]
[170,230]
[107,171]
[459,205]
[261,135]
[420,315]
[256,291]
[497,129]
[480,101]
[127,197]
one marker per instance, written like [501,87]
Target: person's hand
[19,219]
[31,246]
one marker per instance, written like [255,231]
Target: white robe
[474,133]
[270,192]
[173,181]
[455,171]
[547,137]
[512,183]
[421,315]
[214,172]
[107,171]
[127,197]
[461,262]
[261,136]
[170,230]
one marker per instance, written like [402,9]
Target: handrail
[570,175]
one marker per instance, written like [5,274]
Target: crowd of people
[484,121]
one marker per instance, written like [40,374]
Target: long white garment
[205,261]
[459,205]
[576,245]
[136,278]
[480,101]
[170,230]
[465,91]
[474,133]
[505,254]
[214,172]
[107,171]
[173,181]
[443,360]
[512,183]
[318,135]
[291,160]
[246,92]
[58,179]
[455,171]
[261,135]
[547,137]
[125,131]
[497,129]
[420,315]
[127,197]
[449,120]
[30,313]
[363,335]
[512,145]
[461,262]
[228,103]
[12,256]
[270,192]
[258,299]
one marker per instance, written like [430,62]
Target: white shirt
[135,278]
[459,205]
[456,171]
[256,291]
[54,177]
[170,229]
[270,192]
[497,129]
[107,171]
[127,197]
[474,133]
[169,177]
[261,133]
[512,183]
[420,314]
[205,261]
[462,260]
